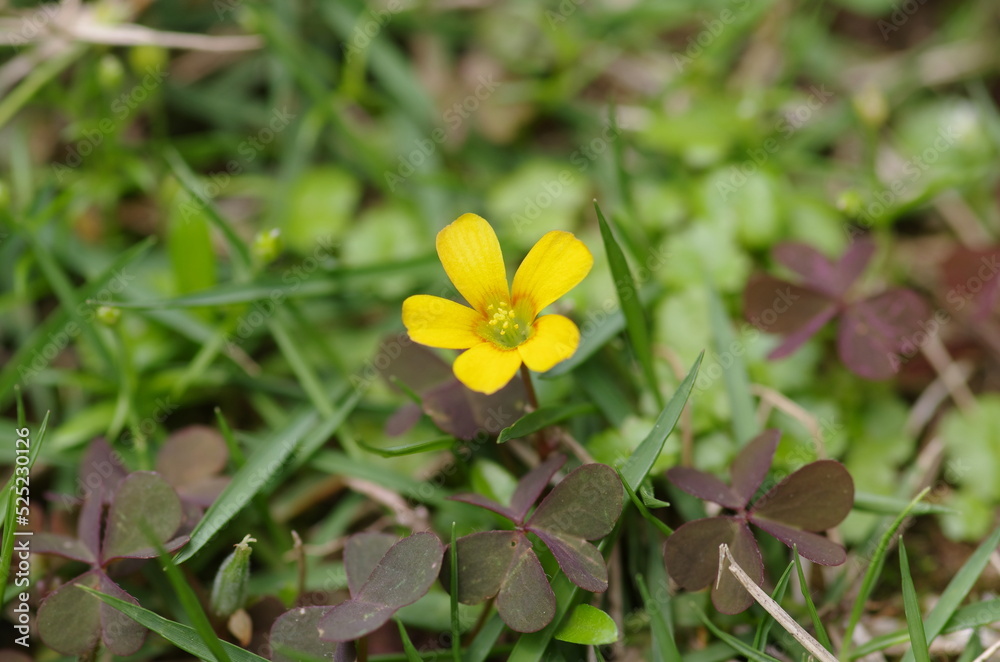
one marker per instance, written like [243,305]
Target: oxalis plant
[815,498]
[384,574]
[140,505]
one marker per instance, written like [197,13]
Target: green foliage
[210,218]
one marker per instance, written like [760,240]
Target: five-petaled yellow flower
[502,328]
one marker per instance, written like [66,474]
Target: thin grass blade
[911,607]
[641,461]
[628,297]
[183,636]
[745,426]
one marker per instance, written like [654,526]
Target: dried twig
[773,399]
[772,607]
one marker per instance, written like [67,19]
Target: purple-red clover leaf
[704,486]
[873,331]
[526,602]
[584,506]
[296,633]
[401,577]
[191,460]
[533,484]
[142,496]
[362,553]
[690,561]
[815,498]
[749,468]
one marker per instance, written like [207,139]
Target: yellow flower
[502,328]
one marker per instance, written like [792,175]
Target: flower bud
[110,72]
[229,590]
[267,245]
[108,315]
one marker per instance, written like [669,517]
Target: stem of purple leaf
[481,621]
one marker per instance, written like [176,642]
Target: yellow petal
[440,323]
[552,268]
[485,368]
[555,339]
[470,253]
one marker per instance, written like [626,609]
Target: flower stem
[541,442]
[529,387]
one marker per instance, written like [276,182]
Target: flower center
[504,327]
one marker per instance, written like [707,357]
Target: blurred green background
[149,149]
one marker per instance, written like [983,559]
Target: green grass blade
[604,329]
[41,73]
[299,364]
[183,636]
[643,510]
[10,502]
[628,297]
[964,618]
[57,321]
[255,475]
[663,639]
[872,573]
[340,464]
[887,505]
[957,589]
[302,437]
[412,654]
[911,607]
[241,252]
[737,645]
[817,622]
[745,425]
[480,648]
[315,440]
[420,447]
[456,624]
[764,627]
[189,601]
[542,418]
[641,461]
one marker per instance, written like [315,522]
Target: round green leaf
[588,626]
